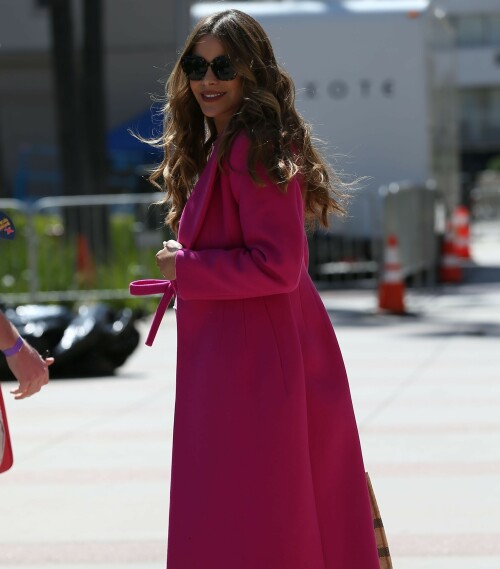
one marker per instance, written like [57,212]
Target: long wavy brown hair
[281,140]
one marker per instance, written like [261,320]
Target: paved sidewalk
[90,483]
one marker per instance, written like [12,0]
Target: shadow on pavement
[480,274]
[471,308]
[472,329]
[368,318]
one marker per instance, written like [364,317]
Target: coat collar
[196,207]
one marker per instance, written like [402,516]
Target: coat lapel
[197,204]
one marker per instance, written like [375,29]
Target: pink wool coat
[267,470]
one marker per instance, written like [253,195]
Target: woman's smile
[211,96]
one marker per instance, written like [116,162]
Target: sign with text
[7,229]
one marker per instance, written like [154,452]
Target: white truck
[376,79]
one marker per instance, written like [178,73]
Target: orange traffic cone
[450,270]
[461,230]
[392,288]
[85,268]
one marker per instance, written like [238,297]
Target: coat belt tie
[145,287]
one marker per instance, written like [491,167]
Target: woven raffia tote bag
[6,458]
[380,537]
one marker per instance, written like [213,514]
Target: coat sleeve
[270,262]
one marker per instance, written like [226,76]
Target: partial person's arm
[29,368]
[272,223]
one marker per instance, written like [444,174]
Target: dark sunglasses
[195,67]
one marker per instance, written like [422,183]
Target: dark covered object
[91,342]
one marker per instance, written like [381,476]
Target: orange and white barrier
[450,270]
[461,231]
[392,288]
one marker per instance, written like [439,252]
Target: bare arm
[29,368]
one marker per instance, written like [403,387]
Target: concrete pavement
[91,477]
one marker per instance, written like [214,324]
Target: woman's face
[218,99]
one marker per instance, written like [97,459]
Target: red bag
[6,457]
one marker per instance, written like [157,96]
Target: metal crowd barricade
[90,247]
[346,251]
[356,251]
[71,248]
[414,215]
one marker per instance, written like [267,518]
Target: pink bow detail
[145,287]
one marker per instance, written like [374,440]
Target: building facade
[477,27]
[140,43]
[141,39]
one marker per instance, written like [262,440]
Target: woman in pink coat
[267,470]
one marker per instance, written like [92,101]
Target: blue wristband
[15,348]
